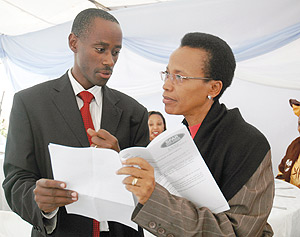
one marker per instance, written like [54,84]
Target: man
[236,153]
[50,113]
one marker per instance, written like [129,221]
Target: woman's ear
[73,42]
[215,89]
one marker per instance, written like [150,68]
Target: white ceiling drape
[252,28]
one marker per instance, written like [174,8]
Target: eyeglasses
[178,78]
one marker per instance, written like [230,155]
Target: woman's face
[188,98]
[156,125]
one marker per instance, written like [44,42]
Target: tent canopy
[21,17]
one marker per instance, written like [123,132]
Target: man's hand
[51,194]
[141,181]
[104,139]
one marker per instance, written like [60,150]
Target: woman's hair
[220,64]
[158,113]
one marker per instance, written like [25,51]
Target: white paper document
[91,172]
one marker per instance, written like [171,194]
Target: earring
[209,97]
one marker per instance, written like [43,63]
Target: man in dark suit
[50,113]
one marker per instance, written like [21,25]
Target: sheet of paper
[178,159]
[144,153]
[92,173]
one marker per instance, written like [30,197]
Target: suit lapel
[65,101]
[111,114]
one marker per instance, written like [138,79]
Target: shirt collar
[194,129]
[77,88]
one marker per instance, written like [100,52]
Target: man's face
[96,53]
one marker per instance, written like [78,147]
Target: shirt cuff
[50,220]
[50,215]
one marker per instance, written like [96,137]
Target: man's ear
[73,39]
[216,87]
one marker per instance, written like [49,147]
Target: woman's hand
[141,181]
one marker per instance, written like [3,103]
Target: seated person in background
[289,168]
[156,123]
[237,154]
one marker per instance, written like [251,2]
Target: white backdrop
[264,35]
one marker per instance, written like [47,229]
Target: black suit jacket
[46,113]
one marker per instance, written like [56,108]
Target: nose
[109,60]
[168,85]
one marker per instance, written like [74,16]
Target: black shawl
[231,148]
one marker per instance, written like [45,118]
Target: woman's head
[198,72]
[156,123]
[220,62]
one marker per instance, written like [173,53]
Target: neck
[80,79]
[198,116]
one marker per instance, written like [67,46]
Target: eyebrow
[106,44]
[176,71]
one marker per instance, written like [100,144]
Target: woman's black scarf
[231,148]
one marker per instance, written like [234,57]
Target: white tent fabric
[264,35]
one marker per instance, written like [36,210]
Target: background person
[51,113]
[237,154]
[156,123]
[289,167]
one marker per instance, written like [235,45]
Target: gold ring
[134,181]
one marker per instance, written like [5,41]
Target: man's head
[96,40]
[221,62]
[82,22]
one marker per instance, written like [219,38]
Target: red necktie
[88,123]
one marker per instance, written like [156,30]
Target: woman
[237,154]
[289,167]
[156,124]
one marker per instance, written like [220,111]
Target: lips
[167,100]
[155,134]
[105,74]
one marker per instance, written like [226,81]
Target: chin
[170,111]
[103,82]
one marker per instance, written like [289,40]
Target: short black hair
[84,19]
[221,62]
[160,114]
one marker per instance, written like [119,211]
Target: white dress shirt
[96,103]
